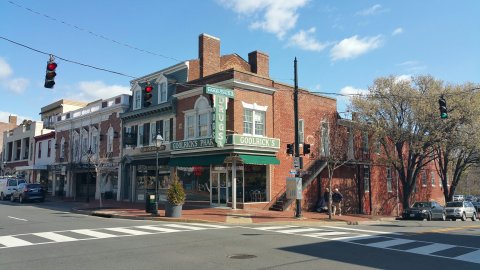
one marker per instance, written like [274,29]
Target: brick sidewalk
[202,212]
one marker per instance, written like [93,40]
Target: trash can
[149,202]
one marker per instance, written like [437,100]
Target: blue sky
[341,46]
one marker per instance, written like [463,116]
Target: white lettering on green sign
[220,120]
[192,144]
[212,90]
[256,141]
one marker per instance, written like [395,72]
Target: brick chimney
[209,54]
[12,119]
[259,61]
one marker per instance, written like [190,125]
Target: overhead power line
[93,33]
[65,59]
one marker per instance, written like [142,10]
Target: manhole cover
[242,256]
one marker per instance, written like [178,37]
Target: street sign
[294,188]
[296,162]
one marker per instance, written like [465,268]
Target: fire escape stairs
[282,203]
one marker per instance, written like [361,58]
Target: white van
[7,186]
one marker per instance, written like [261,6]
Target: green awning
[259,160]
[197,161]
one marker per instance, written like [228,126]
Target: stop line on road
[40,238]
[383,240]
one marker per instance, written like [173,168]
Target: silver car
[462,209]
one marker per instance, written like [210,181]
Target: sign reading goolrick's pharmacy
[220,102]
[255,141]
[191,144]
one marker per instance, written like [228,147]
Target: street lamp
[158,140]
[89,157]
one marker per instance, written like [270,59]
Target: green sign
[220,126]
[255,141]
[192,144]
[218,91]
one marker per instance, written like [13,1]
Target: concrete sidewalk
[203,212]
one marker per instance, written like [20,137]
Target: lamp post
[89,157]
[158,140]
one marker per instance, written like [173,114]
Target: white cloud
[350,91]
[353,47]
[4,117]
[375,9]
[306,41]
[93,90]
[5,69]
[276,16]
[12,84]
[397,31]
[403,78]
[412,66]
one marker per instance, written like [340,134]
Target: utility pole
[298,212]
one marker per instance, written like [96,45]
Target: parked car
[470,198]
[425,210]
[476,205]
[461,210]
[26,192]
[8,186]
[458,198]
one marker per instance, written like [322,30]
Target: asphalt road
[46,236]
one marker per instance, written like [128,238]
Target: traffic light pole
[298,211]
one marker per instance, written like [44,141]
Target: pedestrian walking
[337,199]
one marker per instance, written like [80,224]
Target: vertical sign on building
[220,101]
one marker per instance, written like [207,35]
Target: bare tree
[333,137]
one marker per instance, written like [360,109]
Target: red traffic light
[51,66]
[148,88]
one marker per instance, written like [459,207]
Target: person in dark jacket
[337,199]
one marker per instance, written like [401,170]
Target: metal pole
[298,212]
[155,207]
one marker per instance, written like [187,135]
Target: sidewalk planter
[175,199]
[172,210]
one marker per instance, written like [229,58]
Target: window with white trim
[62,148]
[94,140]
[198,122]
[76,146]
[162,91]
[424,178]
[365,146]
[84,141]
[301,131]
[110,140]
[325,140]
[366,179]
[389,179]
[432,178]
[253,122]
[137,99]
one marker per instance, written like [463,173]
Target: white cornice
[154,75]
[232,83]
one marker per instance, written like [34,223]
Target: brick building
[88,150]
[4,126]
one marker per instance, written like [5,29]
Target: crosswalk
[383,240]
[40,238]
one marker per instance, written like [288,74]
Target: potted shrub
[175,199]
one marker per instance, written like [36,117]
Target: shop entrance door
[219,189]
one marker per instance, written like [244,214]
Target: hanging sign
[220,102]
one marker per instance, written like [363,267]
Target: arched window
[110,140]
[162,89]
[198,122]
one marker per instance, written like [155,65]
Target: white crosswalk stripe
[20,240]
[379,239]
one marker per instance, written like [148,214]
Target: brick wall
[209,54]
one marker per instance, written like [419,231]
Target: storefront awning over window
[259,160]
[197,161]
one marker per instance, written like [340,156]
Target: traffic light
[306,149]
[147,96]
[50,73]
[443,107]
[290,148]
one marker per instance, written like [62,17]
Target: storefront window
[255,183]
[146,180]
[196,181]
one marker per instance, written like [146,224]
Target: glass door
[219,189]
